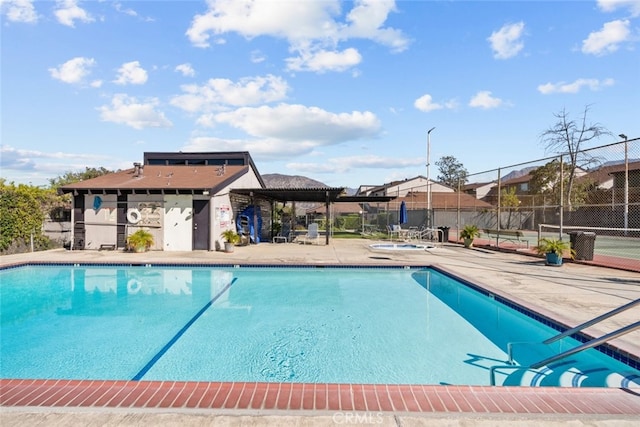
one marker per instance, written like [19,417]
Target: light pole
[626,183]
[428,182]
[362,215]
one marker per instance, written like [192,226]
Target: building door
[78,225]
[121,228]
[201,225]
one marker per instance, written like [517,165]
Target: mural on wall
[151,214]
[145,214]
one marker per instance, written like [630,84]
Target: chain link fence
[591,197]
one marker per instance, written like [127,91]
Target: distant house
[479,190]
[403,187]
[612,176]
[184,199]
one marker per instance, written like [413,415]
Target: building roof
[337,208]
[606,173]
[172,179]
[317,194]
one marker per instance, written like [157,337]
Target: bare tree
[568,137]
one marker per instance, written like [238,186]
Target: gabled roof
[172,179]
[475,185]
[606,173]
[375,189]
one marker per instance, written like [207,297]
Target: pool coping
[252,396]
[372,398]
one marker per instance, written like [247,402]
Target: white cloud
[366,21]
[312,28]
[347,164]
[323,60]
[302,123]
[289,130]
[33,160]
[483,99]
[73,71]
[425,103]
[68,11]
[262,148]
[574,87]
[608,39]
[257,56]
[506,42]
[128,111]
[217,93]
[612,5]
[19,11]
[131,72]
[186,70]
[127,11]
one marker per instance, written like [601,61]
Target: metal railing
[592,321]
[590,344]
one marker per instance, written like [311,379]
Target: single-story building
[183,199]
[186,200]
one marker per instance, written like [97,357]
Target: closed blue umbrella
[403,213]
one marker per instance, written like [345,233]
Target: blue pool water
[345,325]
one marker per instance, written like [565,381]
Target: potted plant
[553,250]
[468,233]
[140,241]
[231,239]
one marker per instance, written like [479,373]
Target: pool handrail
[594,342]
[573,330]
[592,321]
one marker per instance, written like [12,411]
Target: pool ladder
[590,344]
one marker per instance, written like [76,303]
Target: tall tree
[545,183]
[451,171]
[568,137]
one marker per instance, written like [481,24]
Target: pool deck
[570,294]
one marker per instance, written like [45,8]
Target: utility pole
[429,225]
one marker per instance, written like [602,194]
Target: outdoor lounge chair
[312,234]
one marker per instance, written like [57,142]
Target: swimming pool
[220,323]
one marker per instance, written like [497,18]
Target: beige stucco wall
[151,216]
[222,213]
[100,224]
[178,228]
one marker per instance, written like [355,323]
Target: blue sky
[341,92]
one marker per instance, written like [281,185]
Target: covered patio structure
[325,195]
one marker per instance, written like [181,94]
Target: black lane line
[177,336]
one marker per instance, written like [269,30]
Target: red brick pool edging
[317,397]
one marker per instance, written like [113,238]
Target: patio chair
[394,229]
[284,236]
[312,234]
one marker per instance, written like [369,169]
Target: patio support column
[326,225]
